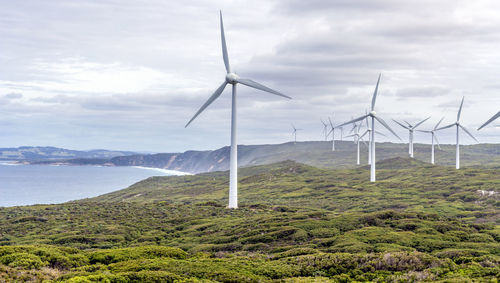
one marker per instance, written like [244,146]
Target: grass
[297,223]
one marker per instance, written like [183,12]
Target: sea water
[46,184]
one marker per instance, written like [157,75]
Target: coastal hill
[314,153]
[296,223]
[32,153]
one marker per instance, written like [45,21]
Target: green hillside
[314,153]
[297,223]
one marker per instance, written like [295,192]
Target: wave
[10,163]
[165,171]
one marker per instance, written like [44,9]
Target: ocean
[45,184]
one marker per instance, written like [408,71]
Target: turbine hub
[231,78]
[373,113]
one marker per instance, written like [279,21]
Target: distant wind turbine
[490,120]
[357,139]
[233,79]
[458,125]
[294,133]
[410,129]
[373,116]
[433,138]
[333,133]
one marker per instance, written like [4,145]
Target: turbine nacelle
[372,113]
[232,78]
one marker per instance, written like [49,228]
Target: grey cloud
[13,95]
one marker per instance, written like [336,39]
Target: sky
[128,75]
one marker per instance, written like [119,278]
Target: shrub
[24,260]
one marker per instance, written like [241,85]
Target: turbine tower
[490,120]
[232,79]
[433,138]
[368,132]
[373,115]
[411,128]
[294,133]
[459,126]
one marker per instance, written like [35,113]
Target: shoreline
[62,163]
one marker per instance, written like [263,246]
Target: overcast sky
[120,74]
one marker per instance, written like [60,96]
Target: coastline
[169,172]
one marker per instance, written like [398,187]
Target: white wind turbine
[294,133]
[357,139]
[490,120]
[411,128]
[433,138]
[232,79]
[458,125]
[373,116]
[333,133]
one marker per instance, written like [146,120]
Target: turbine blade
[437,141]
[374,98]
[259,86]
[224,47]
[366,132]
[445,127]
[386,126]
[401,124]
[490,120]
[353,127]
[352,121]
[330,132]
[212,98]
[409,125]
[382,134]
[460,109]
[437,125]
[349,136]
[467,131]
[420,123]
[330,121]
[423,131]
[364,142]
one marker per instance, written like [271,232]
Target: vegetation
[318,154]
[296,223]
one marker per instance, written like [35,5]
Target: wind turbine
[410,129]
[325,129]
[357,139]
[458,125]
[490,120]
[333,133]
[232,79]
[373,116]
[433,137]
[294,133]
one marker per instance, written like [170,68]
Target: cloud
[13,95]
[129,75]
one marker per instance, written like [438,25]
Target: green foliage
[296,224]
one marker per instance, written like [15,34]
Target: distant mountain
[313,153]
[36,153]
